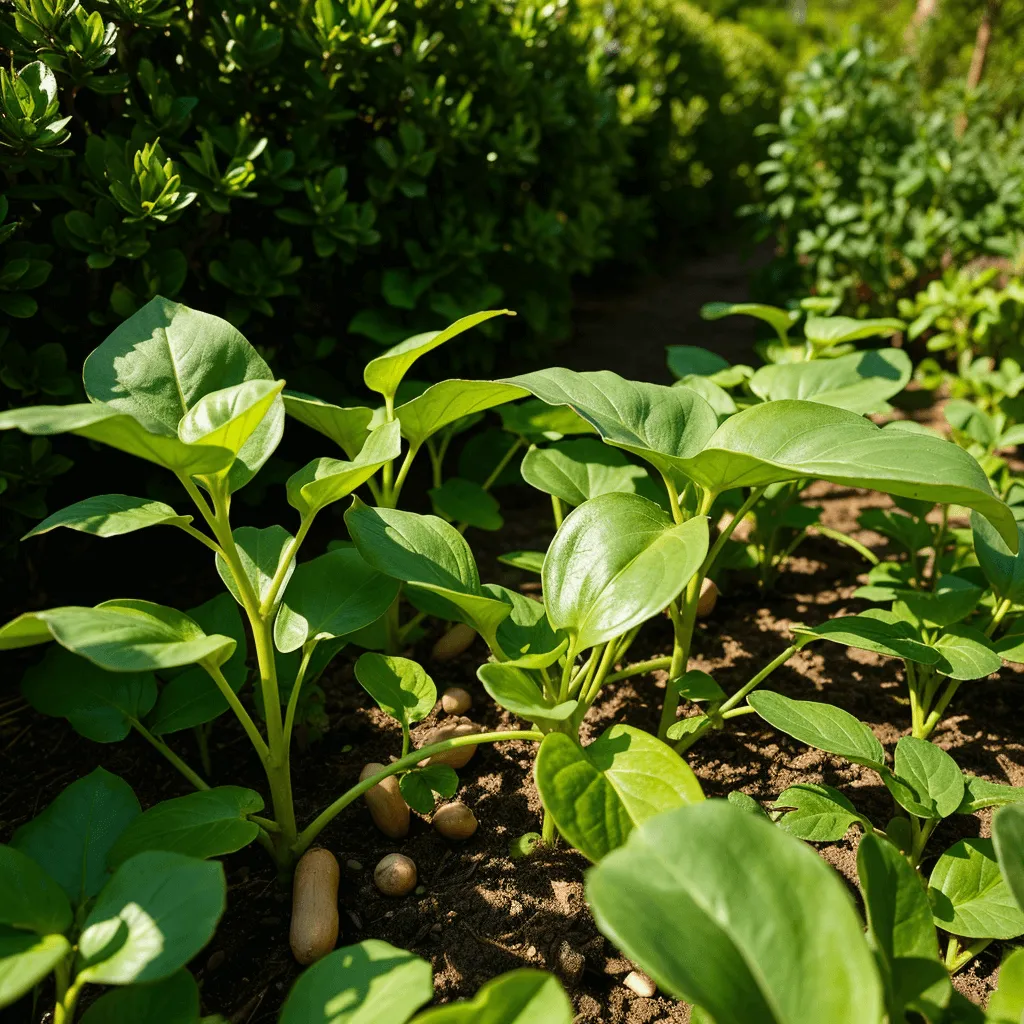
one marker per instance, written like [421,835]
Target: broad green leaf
[684,360]
[520,997]
[348,428]
[697,686]
[175,1000]
[980,793]
[820,725]
[596,794]
[99,705]
[970,897]
[464,501]
[951,599]
[790,440]
[726,911]
[331,596]
[820,814]
[861,382]
[401,688]
[927,781]
[110,515]
[575,471]
[535,421]
[526,632]
[369,983]
[716,396]
[966,653]
[323,481]
[151,918]
[261,553]
[204,824]
[162,360]
[430,554]
[385,373]
[419,786]
[449,401]
[899,915]
[1006,1004]
[143,439]
[779,319]
[922,984]
[878,631]
[838,330]
[1010,646]
[25,960]
[616,561]
[71,838]
[513,689]
[29,898]
[528,561]
[1005,571]
[1008,842]
[666,426]
[191,697]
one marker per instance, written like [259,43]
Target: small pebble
[639,983]
[353,865]
[570,963]
[532,951]
[456,701]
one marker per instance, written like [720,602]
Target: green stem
[682,631]
[293,697]
[726,533]
[998,615]
[547,829]
[171,756]
[203,744]
[935,716]
[64,1011]
[673,498]
[505,459]
[201,537]
[962,959]
[738,712]
[557,511]
[921,832]
[866,553]
[322,820]
[391,496]
[640,668]
[236,705]
[939,544]
[607,660]
[269,603]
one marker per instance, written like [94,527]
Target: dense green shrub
[335,174]
[873,187]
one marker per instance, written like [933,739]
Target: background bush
[338,174]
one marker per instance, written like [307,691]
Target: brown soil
[477,912]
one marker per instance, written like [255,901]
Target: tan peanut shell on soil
[395,875]
[460,756]
[388,808]
[453,643]
[708,597]
[314,926]
[456,701]
[455,821]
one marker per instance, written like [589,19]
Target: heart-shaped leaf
[463,501]
[819,814]
[820,725]
[110,515]
[520,997]
[596,794]
[449,401]
[260,552]
[1004,570]
[25,960]
[726,911]
[616,561]
[1008,840]
[208,823]
[369,983]
[513,689]
[331,596]
[419,786]
[401,688]
[71,838]
[927,781]
[969,895]
[346,427]
[29,898]
[175,1000]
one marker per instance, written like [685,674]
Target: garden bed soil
[479,912]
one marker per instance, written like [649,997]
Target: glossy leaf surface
[969,895]
[111,515]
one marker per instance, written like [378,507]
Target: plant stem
[959,960]
[682,627]
[504,461]
[236,705]
[758,679]
[201,537]
[866,553]
[557,511]
[726,533]
[640,668]
[998,615]
[64,1011]
[547,829]
[311,831]
[607,660]
[391,497]
[939,544]
[269,602]
[293,697]
[935,716]
[171,756]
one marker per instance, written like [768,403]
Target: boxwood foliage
[337,174]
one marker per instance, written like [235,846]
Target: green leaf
[838,330]
[348,428]
[175,1000]
[535,421]
[228,418]
[969,896]
[526,632]
[684,360]
[524,996]
[1005,571]
[820,814]
[596,794]
[165,358]
[449,401]
[1008,843]
[100,705]
[861,382]
[71,838]
[528,561]
[369,983]
[951,599]
[323,481]
[966,653]
[1010,646]
[464,501]
[25,960]
[927,781]
[876,630]
[616,561]
[820,725]
[29,898]
[401,688]
[208,823]
[385,373]
[666,426]
[331,596]
[726,911]
[1006,1004]
[697,686]
[780,319]
[980,793]
[515,690]
[575,471]
[419,786]
[151,918]
[261,552]
[110,515]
